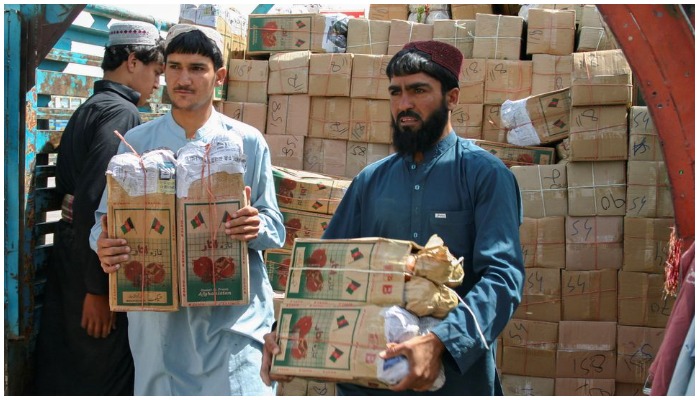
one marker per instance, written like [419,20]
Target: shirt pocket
[454,227]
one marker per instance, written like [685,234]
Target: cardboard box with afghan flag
[210,190]
[360,271]
[308,191]
[329,341]
[277,262]
[300,224]
[141,209]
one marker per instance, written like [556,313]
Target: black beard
[408,141]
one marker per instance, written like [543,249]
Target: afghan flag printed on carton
[214,268]
[330,341]
[345,270]
[146,280]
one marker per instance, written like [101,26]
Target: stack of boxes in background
[545,91]
[229,22]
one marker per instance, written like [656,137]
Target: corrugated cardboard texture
[584,387]
[492,129]
[308,191]
[325,156]
[300,224]
[516,385]
[471,81]
[641,300]
[289,73]
[597,188]
[598,133]
[367,36]
[512,155]
[542,242]
[646,244]
[550,73]
[402,32]
[148,224]
[352,271]
[644,139]
[247,81]
[277,263]
[370,121]
[288,115]
[305,387]
[498,37]
[457,32]
[291,32]
[330,117]
[601,78]
[586,350]
[529,348]
[537,119]
[254,114]
[648,190]
[369,79]
[467,120]
[469,11]
[543,189]
[360,155]
[629,389]
[342,347]
[593,33]
[329,74]
[551,31]
[286,150]
[387,12]
[594,243]
[541,295]
[507,80]
[589,295]
[202,242]
[636,349]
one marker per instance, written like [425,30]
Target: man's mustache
[408,113]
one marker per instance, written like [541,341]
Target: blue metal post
[13,206]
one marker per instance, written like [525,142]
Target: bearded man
[438,183]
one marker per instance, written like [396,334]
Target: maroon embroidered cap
[445,55]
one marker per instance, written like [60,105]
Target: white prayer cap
[133,32]
[177,30]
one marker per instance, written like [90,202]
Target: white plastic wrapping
[225,155]
[516,120]
[401,325]
[126,169]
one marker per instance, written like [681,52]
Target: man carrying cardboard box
[203,350]
[438,183]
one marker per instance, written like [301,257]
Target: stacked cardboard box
[607,199]
[141,209]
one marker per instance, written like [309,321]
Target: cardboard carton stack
[347,294]
[229,22]
[545,91]
[141,209]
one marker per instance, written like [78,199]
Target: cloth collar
[126,92]
[213,124]
[447,142]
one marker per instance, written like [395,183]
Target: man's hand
[424,354]
[97,320]
[111,252]
[271,349]
[245,224]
